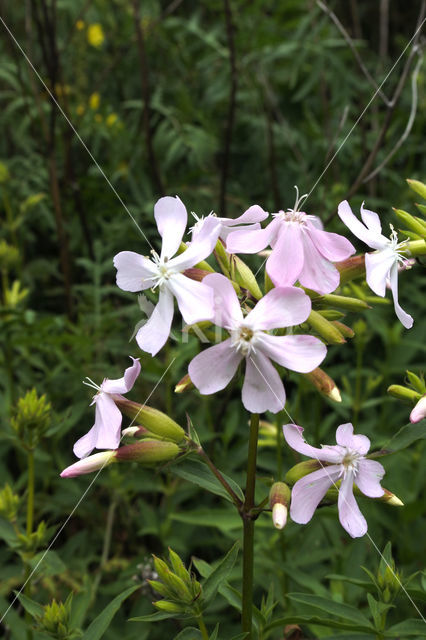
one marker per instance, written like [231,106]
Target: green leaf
[410,627]
[220,573]
[153,617]
[222,519]
[324,622]
[359,583]
[377,610]
[34,608]
[215,632]
[198,473]
[240,636]
[329,606]
[47,563]
[408,434]
[189,633]
[101,623]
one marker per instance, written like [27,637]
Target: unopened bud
[223,258]
[170,607]
[200,265]
[89,464]
[184,384]
[391,499]
[325,328]
[419,411]
[346,331]
[245,277]
[404,393]
[155,421]
[418,187]
[343,302]
[326,385]
[279,497]
[417,382]
[147,452]
[136,432]
[302,469]
[415,224]
[196,274]
[351,268]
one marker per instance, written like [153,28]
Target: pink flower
[263,390]
[137,273]
[253,216]
[105,433]
[346,461]
[301,250]
[419,411]
[383,263]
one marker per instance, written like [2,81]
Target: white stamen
[91,384]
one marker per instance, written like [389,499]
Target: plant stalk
[203,628]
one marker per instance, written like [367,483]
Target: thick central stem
[248,527]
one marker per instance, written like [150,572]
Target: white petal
[377,266]
[195,299]
[300,353]
[371,220]
[370,472]
[252,214]
[263,389]
[212,369]
[374,240]
[350,516]
[243,241]
[105,433]
[154,333]
[171,218]
[124,384]
[293,435]
[346,438]
[228,312]
[405,319]
[134,272]
[308,492]
[280,307]
[201,247]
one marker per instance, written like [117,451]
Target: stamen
[91,384]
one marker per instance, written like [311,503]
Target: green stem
[202,627]
[248,528]
[223,482]
[29,530]
[358,380]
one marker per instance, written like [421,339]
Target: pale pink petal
[346,438]
[315,221]
[377,266]
[171,218]
[280,307]
[212,369]
[371,220]
[350,516]
[263,389]
[243,241]
[358,229]
[331,245]
[195,299]
[88,465]
[300,353]
[308,492]
[286,260]
[154,333]
[105,433]
[253,214]
[293,435]
[419,411]
[124,384]
[134,272]
[201,247]
[318,273]
[228,312]
[368,477]
[227,229]
[405,319]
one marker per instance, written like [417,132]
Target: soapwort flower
[382,265]
[345,461]
[301,250]
[419,411]
[105,433]
[248,221]
[263,390]
[137,273]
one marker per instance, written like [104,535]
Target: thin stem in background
[29,530]
[230,30]
[248,528]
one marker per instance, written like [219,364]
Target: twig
[230,28]
[409,123]
[384,29]
[337,132]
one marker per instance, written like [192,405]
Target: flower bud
[279,497]
[147,452]
[184,384]
[170,607]
[326,385]
[302,469]
[418,383]
[404,393]
[391,499]
[419,411]
[325,329]
[223,258]
[245,277]
[32,418]
[351,268]
[344,302]
[346,331]
[136,432]
[155,421]
[196,274]
[415,224]
[89,464]
[9,503]
[418,187]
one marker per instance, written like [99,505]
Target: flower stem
[216,472]
[248,528]
[203,628]
[29,530]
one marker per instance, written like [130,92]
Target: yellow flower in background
[98,117]
[95,34]
[80,110]
[94,101]
[79,25]
[111,119]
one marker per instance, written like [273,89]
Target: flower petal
[286,260]
[195,299]
[253,214]
[371,220]
[294,438]
[300,353]
[243,241]
[350,516]
[105,433]
[308,492]
[318,273]
[331,245]
[405,319]
[154,333]
[124,384]
[346,438]
[225,230]
[263,389]
[345,214]
[201,246]
[228,312]
[134,272]
[212,369]
[377,266]
[370,472]
[171,218]
[280,307]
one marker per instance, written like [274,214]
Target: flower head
[105,433]
[345,462]
[248,221]
[165,272]
[249,340]
[419,411]
[382,265]
[301,250]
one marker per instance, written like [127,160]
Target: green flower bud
[31,419]
[147,452]
[279,498]
[9,503]
[326,385]
[55,620]
[155,421]
[343,302]
[179,567]
[325,329]
[223,258]
[418,187]
[170,607]
[415,224]
[404,393]
[245,277]
[302,469]
[184,384]
[346,331]
[351,268]
[418,383]
[159,587]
